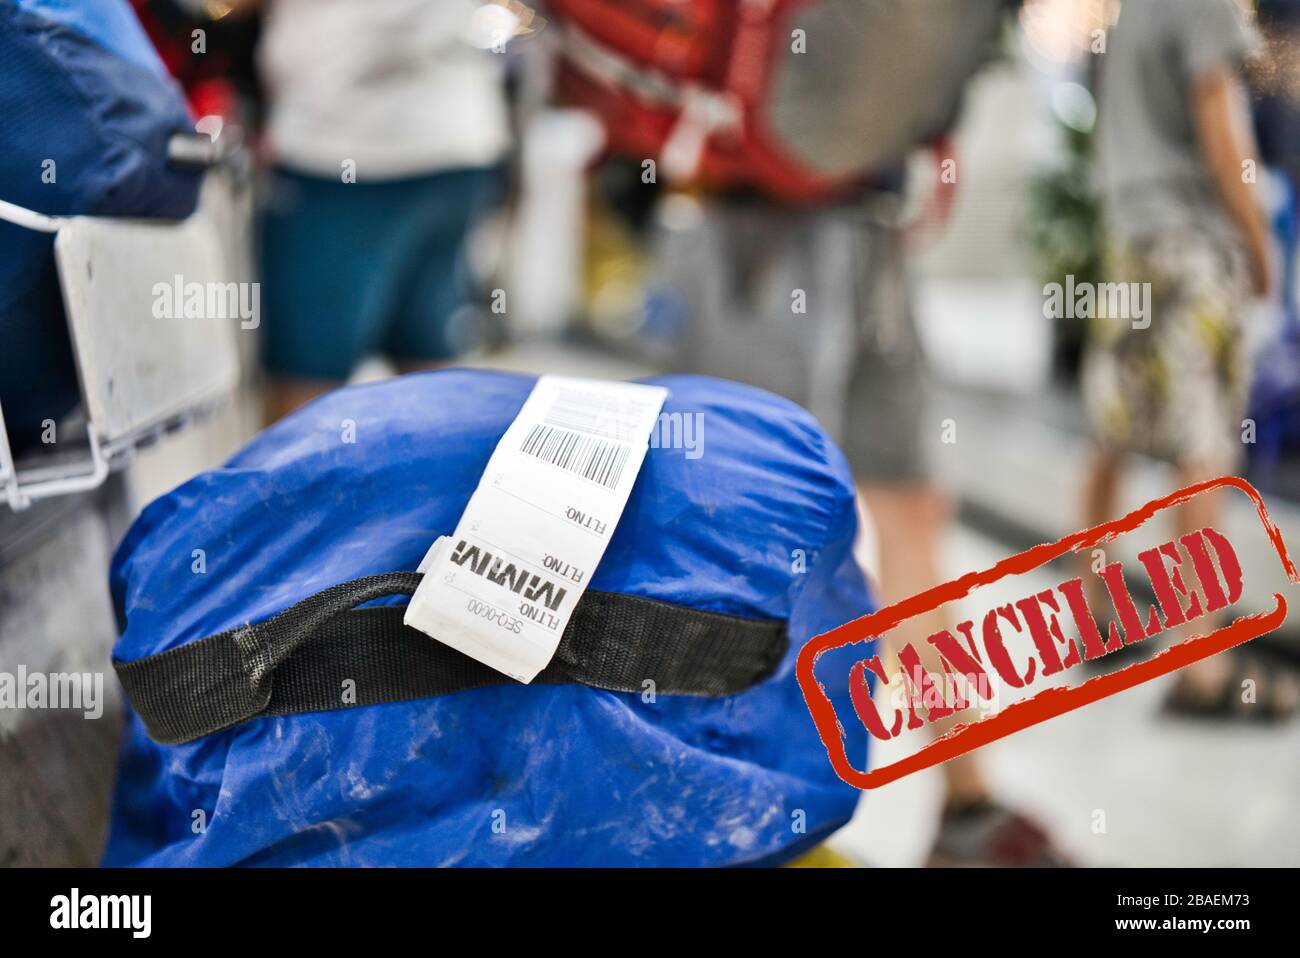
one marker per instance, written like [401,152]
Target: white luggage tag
[503,587]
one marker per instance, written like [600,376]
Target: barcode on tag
[598,460]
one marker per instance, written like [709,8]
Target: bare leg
[1208,675]
[973,829]
[283,396]
[1206,678]
[910,521]
[1100,504]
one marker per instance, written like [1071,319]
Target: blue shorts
[351,270]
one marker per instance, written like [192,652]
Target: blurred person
[853,357]
[387,128]
[890,403]
[1173,142]
[779,256]
[890,410]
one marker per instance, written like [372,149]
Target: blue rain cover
[81,87]
[761,525]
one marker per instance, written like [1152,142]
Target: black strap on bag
[299,660]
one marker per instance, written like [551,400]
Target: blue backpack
[249,595]
[86,113]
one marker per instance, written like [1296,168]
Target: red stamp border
[1048,703]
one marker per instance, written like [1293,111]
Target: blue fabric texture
[86,121]
[111,24]
[761,525]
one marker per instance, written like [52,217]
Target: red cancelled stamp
[1063,631]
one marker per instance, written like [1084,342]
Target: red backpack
[802,99]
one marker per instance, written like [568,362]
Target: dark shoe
[988,835]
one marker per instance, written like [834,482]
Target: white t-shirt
[392,85]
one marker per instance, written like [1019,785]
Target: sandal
[1225,702]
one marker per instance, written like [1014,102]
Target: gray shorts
[814,305]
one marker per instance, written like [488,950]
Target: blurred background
[418,184]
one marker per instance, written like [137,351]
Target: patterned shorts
[1177,388]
